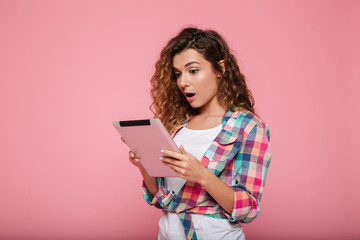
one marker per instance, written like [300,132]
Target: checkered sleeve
[162,197]
[252,163]
[148,197]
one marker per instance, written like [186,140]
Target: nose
[183,81]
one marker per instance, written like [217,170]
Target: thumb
[182,150]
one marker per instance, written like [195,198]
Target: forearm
[222,193]
[150,182]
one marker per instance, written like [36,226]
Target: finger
[171,161]
[132,154]
[135,162]
[133,157]
[179,171]
[173,154]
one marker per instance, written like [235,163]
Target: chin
[194,105]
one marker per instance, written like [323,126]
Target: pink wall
[70,68]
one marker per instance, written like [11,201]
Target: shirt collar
[232,113]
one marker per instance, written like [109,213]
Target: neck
[212,110]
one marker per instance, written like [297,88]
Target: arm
[190,169]
[150,182]
[222,193]
[153,193]
[251,166]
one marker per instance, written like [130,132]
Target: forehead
[187,56]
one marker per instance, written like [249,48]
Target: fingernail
[162,150]
[161,158]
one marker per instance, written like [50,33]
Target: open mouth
[190,97]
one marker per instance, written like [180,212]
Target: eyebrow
[189,63]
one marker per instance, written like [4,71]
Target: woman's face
[196,79]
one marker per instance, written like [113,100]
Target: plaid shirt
[240,156]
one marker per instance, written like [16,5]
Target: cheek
[177,82]
[209,82]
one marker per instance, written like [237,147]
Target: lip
[188,98]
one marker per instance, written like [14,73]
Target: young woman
[202,98]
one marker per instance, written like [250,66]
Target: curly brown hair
[169,104]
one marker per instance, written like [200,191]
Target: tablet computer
[146,138]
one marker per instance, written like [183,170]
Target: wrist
[205,178]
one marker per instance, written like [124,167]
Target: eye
[193,71]
[177,75]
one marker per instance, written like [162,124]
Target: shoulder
[243,117]
[246,122]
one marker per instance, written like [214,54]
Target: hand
[185,165]
[132,157]
[150,182]
[134,160]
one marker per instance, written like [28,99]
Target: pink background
[70,68]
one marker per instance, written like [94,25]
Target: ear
[222,65]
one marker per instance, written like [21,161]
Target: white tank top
[195,142]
